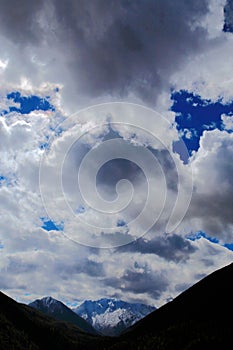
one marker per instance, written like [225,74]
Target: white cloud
[3,65]
[214,21]
[211,205]
[209,73]
[227,122]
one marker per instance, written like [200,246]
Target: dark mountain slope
[54,308]
[199,318]
[22,327]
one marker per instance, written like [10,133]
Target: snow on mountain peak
[111,316]
[48,303]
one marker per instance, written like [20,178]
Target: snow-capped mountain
[61,312]
[110,316]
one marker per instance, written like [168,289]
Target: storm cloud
[99,48]
[172,247]
[140,280]
[212,201]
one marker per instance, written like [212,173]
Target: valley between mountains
[108,317]
[199,318]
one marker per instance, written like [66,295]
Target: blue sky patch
[49,225]
[193,236]
[121,223]
[2,178]
[80,209]
[4,181]
[229,246]
[72,304]
[57,131]
[44,145]
[29,103]
[194,115]
[197,235]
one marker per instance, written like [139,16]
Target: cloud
[87,52]
[148,270]
[172,247]
[211,205]
[88,160]
[209,74]
[154,279]
[228,18]
[87,46]
[140,281]
[227,122]
[86,266]
[21,24]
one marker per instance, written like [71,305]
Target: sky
[116,147]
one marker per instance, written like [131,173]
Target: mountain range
[24,328]
[199,318]
[103,316]
[110,316]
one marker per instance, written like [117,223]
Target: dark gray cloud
[130,46]
[117,169]
[86,266]
[212,200]
[171,247]
[91,268]
[137,282]
[19,21]
[228,16]
[216,212]
[18,266]
[109,47]
[169,168]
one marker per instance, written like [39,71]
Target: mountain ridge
[25,328]
[193,320]
[199,318]
[61,312]
[111,316]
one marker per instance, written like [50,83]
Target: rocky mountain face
[111,316]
